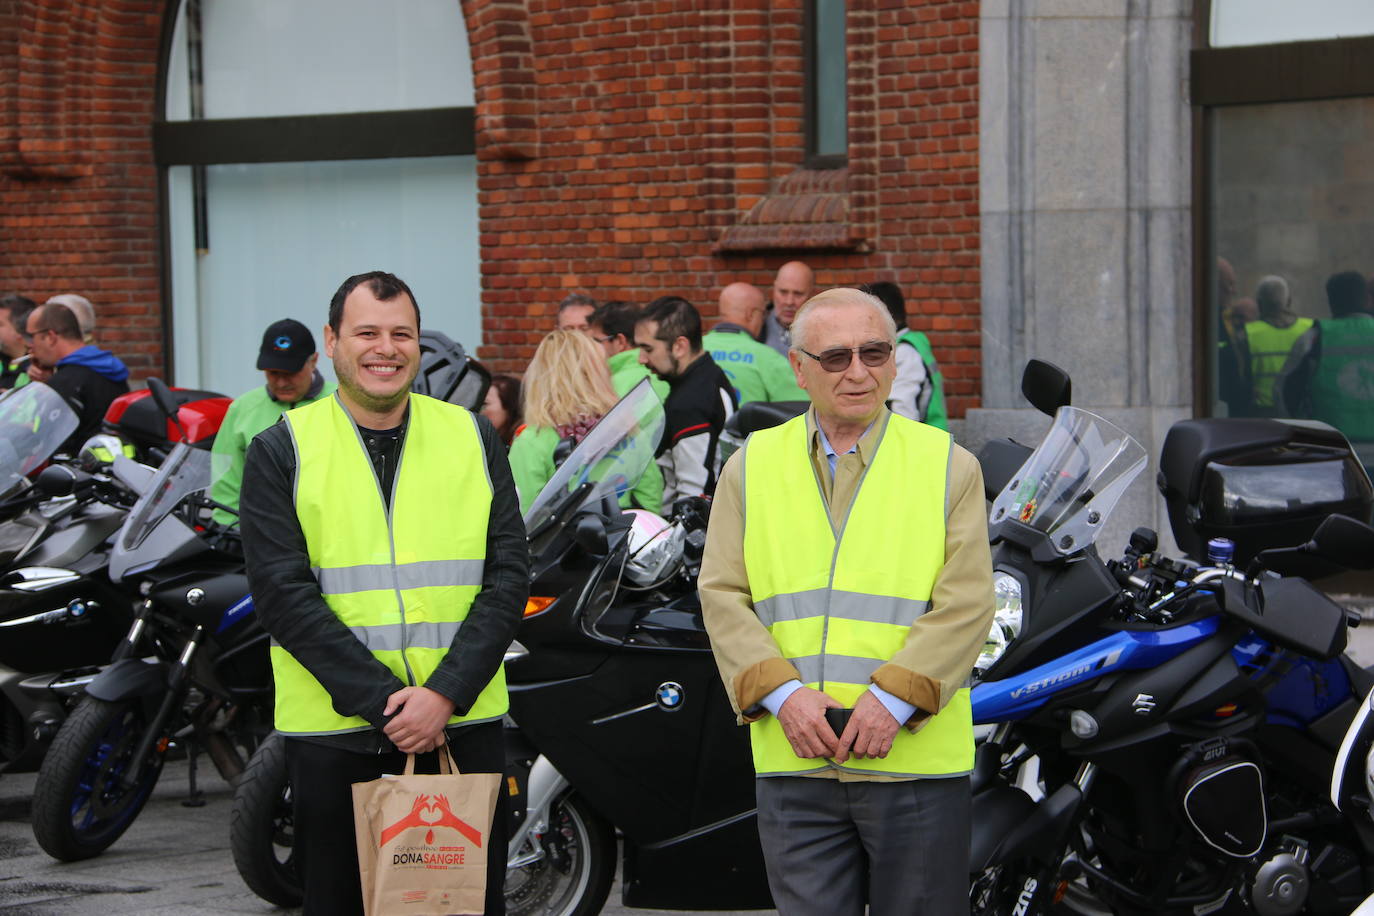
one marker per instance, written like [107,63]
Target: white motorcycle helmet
[655,547]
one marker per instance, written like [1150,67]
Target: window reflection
[1293,246]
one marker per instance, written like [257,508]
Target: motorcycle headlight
[1006,621]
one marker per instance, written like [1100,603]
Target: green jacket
[531,464]
[626,371]
[1343,385]
[929,399]
[758,372]
[249,415]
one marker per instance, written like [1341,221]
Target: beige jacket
[943,643]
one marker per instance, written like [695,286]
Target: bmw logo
[669,695]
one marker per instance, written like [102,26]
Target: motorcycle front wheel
[80,802]
[261,827]
[573,875]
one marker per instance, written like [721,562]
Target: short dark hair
[575,299]
[18,307]
[1346,292]
[61,320]
[676,318]
[383,285]
[616,317]
[890,295]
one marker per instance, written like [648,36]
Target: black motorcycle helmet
[447,373]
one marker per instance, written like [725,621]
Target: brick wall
[617,142]
[658,124]
[78,191]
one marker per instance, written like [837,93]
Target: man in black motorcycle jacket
[349,716]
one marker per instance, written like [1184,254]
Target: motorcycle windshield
[1071,483]
[609,461]
[186,471]
[34,422]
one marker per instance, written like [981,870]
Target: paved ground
[173,860]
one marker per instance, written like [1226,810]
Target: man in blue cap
[287,358]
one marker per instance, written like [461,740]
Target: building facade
[1053,178]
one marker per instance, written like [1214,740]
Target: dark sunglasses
[837,359]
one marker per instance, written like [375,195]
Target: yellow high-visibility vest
[1269,347]
[401,581]
[840,601]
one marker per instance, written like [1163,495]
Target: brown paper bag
[422,840]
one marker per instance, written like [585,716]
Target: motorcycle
[191,673]
[620,721]
[59,614]
[1159,722]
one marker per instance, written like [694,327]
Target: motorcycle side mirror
[1344,540]
[1340,542]
[162,396]
[56,480]
[1046,386]
[590,534]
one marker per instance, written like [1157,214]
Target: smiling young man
[847,566]
[287,359]
[387,560]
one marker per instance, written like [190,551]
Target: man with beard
[700,398]
[387,560]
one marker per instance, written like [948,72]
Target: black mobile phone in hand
[838,719]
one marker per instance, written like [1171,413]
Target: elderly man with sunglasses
[847,589]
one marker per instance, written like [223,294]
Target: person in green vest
[387,561]
[847,567]
[613,326]
[566,391]
[287,358]
[918,392]
[1264,344]
[756,370]
[1329,374]
[14,312]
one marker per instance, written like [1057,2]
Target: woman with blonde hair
[566,390]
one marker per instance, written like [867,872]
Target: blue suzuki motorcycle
[1165,729]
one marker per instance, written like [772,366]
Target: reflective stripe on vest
[1269,347]
[839,601]
[1343,385]
[401,581]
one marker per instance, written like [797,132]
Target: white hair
[81,307]
[840,295]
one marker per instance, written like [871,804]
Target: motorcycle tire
[79,806]
[574,876]
[261,829]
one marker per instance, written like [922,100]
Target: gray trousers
[831,845]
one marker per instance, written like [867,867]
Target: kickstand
[194,797]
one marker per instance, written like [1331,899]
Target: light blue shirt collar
[830,449]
